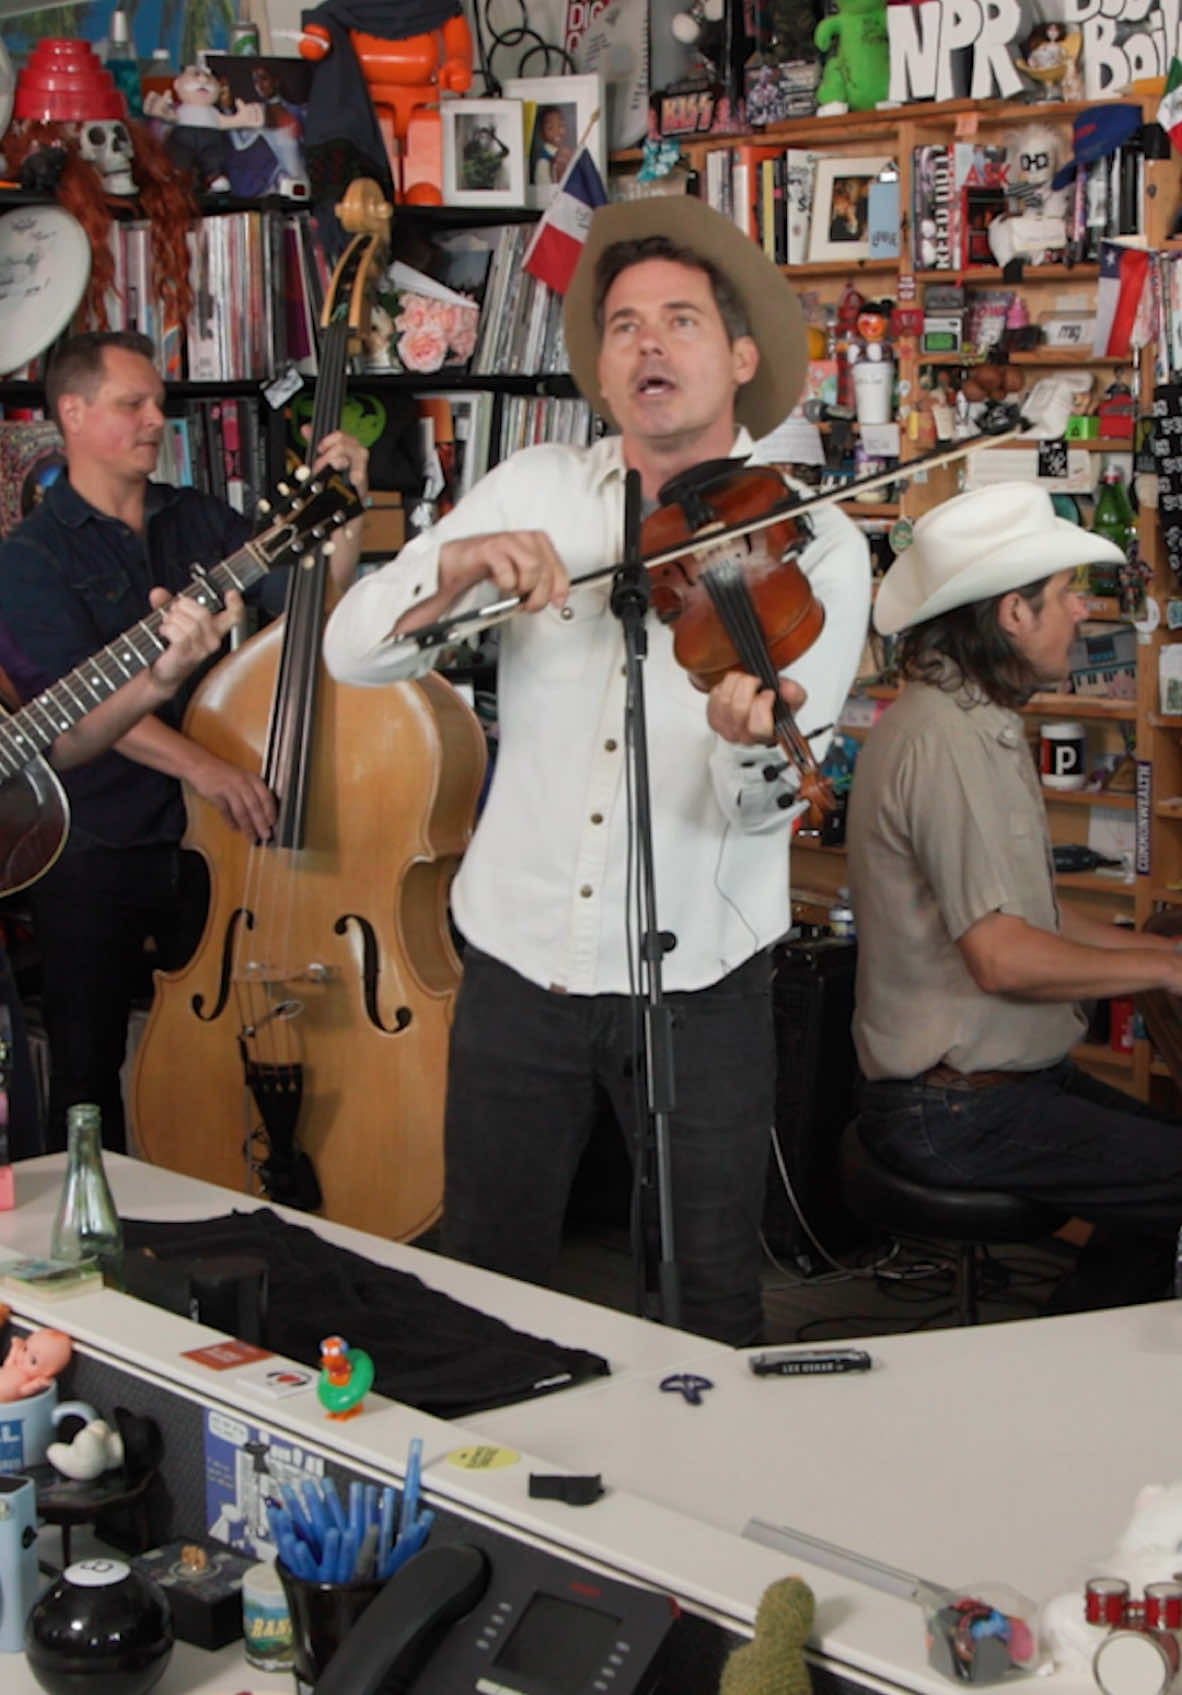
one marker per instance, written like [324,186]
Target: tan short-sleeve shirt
[947,825]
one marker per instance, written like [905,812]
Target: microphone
[822,412]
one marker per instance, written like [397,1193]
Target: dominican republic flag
[558,240]
[1169,113]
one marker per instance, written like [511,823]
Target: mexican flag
[1169,113]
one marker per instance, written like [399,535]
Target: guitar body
[34,824]
[349,930]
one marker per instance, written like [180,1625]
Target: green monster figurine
[773,1663]
[857,74]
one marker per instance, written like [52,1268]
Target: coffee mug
[874,383]
[1063,755]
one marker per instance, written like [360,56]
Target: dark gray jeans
[1062,1137]
[528,1071]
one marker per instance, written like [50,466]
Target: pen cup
[322,1615]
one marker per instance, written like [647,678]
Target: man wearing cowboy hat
[968,972]
[681,333]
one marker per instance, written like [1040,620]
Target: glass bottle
[86,1225]
[1114,518]
[122,64]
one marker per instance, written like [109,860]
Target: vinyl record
[44,270]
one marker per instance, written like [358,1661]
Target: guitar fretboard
[58,708]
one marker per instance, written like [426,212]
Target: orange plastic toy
[405,79]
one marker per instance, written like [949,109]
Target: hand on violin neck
[519,562]
[740,709]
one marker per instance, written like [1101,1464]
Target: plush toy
[857,74]
[773,1662]
[1038,226]
[93,1449]
[1148,1551]
[197,140]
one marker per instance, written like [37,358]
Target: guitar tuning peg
[307,560]
[262,507]
[284,489]
[302,474]
[328,549]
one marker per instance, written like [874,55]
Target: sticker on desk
[245,1466]
[483,1457]
[277,1380]
[221,1356]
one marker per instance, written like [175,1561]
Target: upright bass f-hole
[371,974]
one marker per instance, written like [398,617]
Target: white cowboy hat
[978,545]
[773,311]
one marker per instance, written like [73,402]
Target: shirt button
[567,613]
[610,745]
[586,891]
[597,818]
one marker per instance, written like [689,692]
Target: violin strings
[731,598]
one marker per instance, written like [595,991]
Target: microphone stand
[656,1090]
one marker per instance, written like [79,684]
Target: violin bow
[458,625]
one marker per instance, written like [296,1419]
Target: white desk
[1010,1452]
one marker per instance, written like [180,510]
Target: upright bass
[301,1052]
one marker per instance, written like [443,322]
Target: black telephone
[547,1627]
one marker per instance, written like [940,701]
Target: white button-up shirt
[543,885]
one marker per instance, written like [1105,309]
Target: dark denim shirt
[72,579]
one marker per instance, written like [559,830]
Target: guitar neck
[65,703]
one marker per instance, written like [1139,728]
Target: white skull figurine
[106,144]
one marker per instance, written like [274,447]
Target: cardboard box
[384,528]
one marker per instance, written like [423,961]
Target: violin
[750,609]
[737,601]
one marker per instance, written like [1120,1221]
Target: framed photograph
[841,208]
[557,111]
[483,153]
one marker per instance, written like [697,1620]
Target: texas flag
[554,251]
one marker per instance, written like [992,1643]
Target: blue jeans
[528,1071]
[1058,1136]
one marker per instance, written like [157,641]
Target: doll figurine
[32,1362]
[197,140]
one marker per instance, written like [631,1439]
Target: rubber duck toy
[346,1377]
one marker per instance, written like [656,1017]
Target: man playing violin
[73,576]
[969,974]
[682,334]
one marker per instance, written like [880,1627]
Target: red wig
[164,195]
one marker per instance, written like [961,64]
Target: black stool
[970,1218]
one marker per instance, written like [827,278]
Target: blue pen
[347,1561]
[356,1510]
[299,1518]
[410,1489]
[408,1544]
[371,1504]
[327,1569]
[333,1507]
[317,1517]
[386,1526]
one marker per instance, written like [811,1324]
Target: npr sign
[946,49]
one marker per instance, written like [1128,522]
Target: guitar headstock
[306,516]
